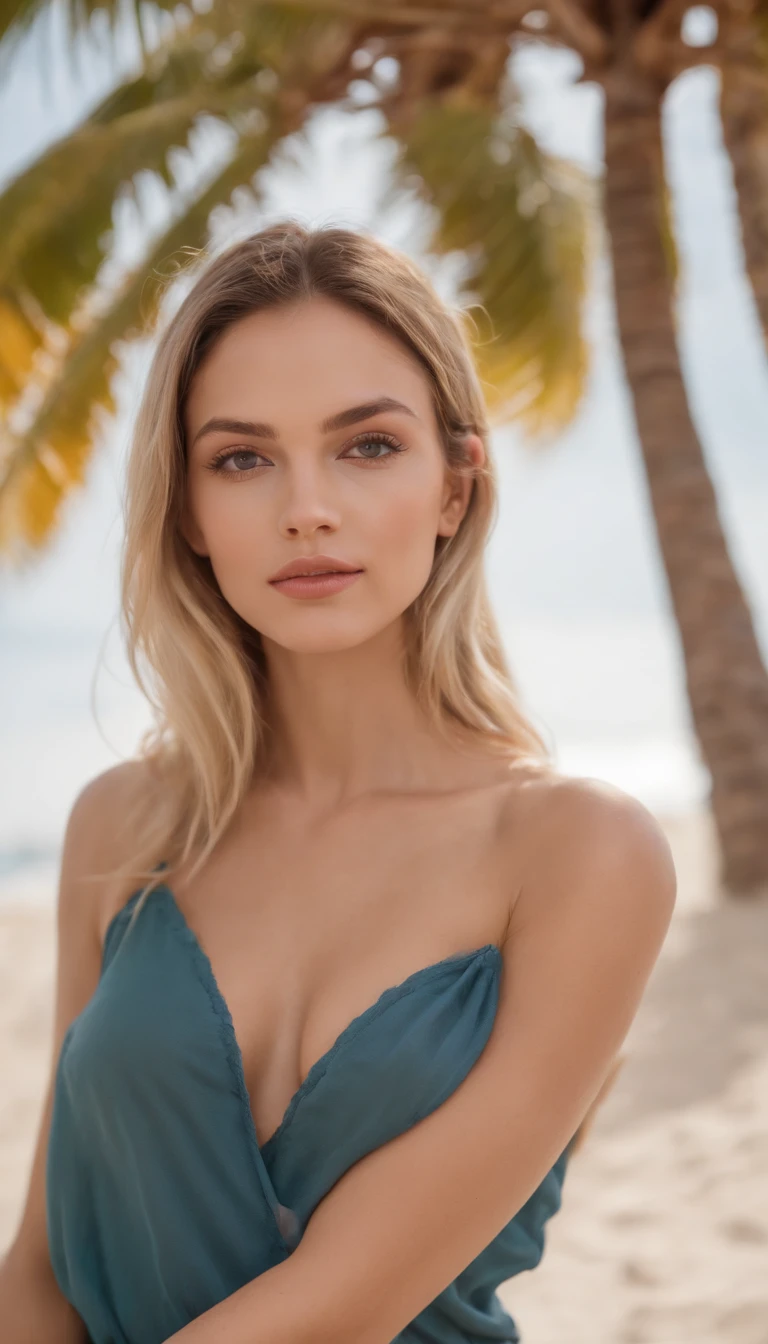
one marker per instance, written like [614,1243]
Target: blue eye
[379,440]
[217,464]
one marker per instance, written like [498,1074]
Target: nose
[307,506]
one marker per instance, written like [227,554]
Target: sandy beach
[662,1237]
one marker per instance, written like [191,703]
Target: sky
[573,566]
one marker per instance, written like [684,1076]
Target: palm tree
[744,114]
[438,71]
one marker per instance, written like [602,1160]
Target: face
[311,433]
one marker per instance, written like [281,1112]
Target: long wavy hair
[200,666]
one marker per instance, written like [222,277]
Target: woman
[318,1077]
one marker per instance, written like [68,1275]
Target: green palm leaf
[17,16]
[44,462]
[55,223]
[522,217]
[56,216]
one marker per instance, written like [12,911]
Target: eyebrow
[352,416]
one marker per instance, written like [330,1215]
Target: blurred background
[597,188]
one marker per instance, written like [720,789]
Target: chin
[323,636]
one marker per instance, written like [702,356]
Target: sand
[662,1237]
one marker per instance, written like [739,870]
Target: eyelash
[378,436]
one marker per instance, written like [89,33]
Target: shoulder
[588,841]
[94,845]
[96,838]
[101,800]
[112,783]
[584,813]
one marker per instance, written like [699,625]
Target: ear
[458,487]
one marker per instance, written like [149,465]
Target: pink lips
[317,585]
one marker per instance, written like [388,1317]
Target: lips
[320,584]
[309,565]
[311,574]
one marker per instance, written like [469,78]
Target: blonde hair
[205,664]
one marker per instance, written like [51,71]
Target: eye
[384,446]
[376,440]
[217,464]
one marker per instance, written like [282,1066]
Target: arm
[406,1219]
[32,1308]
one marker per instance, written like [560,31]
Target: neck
[346,723]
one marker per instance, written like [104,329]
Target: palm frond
[17,17]
[20,339]
[56,219]
[522,219]
[43,463]
[56,216]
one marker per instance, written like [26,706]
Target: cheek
[400,538]
[408,522]
[234,526]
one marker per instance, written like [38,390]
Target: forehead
[296,364]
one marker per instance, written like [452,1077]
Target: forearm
[279,1307]
[32,1307]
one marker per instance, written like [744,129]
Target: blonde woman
[343,961]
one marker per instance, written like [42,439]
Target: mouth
[309,573]
[318,583]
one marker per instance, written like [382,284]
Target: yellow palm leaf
[20,339]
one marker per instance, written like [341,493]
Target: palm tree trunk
[744,113]
[726,679]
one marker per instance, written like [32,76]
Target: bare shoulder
[110,786]
[96,839]
[102,799]
[590,841]
[95,844]
[591,812]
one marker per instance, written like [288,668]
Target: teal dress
[160,1200]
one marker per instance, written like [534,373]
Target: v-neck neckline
[388,996]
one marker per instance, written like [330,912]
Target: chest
[306,928]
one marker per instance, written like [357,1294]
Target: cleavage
[270,1104]
[294,972]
